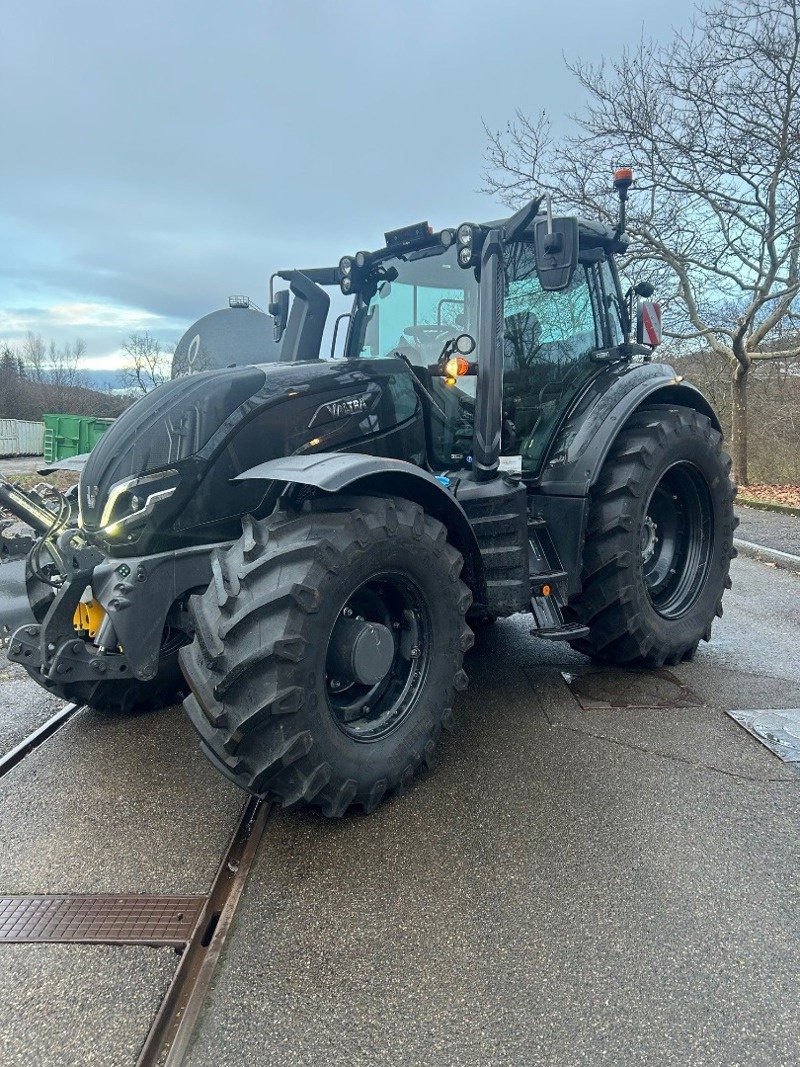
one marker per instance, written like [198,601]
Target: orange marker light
[456,367]
[546,590]
[623,174]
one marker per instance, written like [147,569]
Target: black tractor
[312,543]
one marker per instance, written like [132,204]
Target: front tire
[659,541]
[327,650]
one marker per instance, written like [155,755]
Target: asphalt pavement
[603,868]
[615,885]
[772,529]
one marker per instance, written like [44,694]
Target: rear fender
[579,451]
[334,472]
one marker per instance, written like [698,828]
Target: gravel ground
[769,528]
[20,465]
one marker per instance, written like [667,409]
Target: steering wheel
[425,334]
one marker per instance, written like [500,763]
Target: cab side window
[549,339]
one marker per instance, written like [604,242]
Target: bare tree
[34,355]
[61,368]
[149,364]
[711,125]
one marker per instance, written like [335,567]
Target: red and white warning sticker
[649,323]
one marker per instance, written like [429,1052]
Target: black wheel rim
[369,712]
[676,540]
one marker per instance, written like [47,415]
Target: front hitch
[53,649]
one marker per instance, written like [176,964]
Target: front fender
[333,472]
[579,450]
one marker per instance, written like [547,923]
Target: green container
[71,435]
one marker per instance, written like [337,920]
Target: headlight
[345,266]
[131,501]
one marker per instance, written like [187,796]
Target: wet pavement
[23,706]
[602,873]
[772,529]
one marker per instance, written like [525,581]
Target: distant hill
[103,380]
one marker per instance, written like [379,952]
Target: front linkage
[111,621]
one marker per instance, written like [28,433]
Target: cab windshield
[431,301]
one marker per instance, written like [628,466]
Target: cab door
[551,344]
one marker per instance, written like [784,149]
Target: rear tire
[659,541]
[273,711]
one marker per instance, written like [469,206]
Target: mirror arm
[519,222]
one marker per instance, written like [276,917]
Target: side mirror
[556,252]
[648,322]
[279,309]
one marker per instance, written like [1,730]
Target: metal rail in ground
[168,1040]
[37,738]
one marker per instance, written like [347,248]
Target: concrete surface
[23,705]
[569,887]
[772,529]
[70,1005]
[115,804]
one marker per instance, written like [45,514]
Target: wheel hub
[649,539]
[360,651]
[377,656]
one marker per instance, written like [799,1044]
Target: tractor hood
[162,475]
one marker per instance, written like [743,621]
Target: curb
[763,505]
[785,560]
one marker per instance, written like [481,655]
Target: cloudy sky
[157,156]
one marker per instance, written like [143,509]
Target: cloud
[88,314]
[14,321]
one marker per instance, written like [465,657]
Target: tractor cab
[537,302]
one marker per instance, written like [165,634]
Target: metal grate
[99,919]
[601,689]
[777,728]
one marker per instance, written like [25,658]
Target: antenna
[549,215]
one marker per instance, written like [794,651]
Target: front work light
[469,239]
[464,233]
